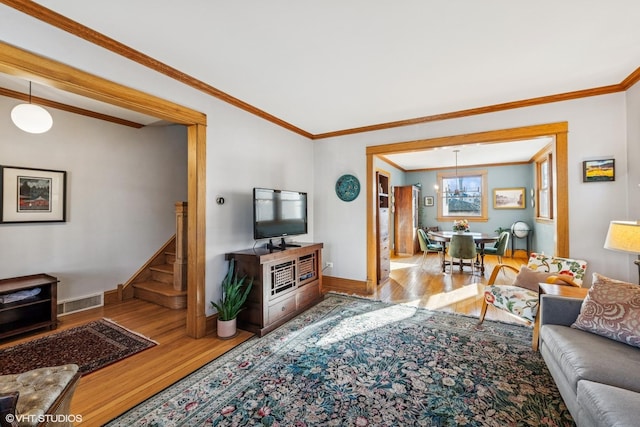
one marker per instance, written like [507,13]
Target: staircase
[157,285]
[163,279]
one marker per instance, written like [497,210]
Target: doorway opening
[20,63]
[559,133]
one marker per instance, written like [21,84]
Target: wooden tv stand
[285,283]
[35,312]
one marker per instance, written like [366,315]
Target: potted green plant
[234,295]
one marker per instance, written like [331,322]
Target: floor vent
[79,304]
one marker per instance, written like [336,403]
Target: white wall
[122,184]
[633,151]
[243,151]
[597,128]
[632,162]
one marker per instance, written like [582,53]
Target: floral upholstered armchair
[520,298]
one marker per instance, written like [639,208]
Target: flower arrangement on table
[461,225]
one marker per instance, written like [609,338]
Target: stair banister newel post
[180,265]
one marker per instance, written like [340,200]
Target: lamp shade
[623,236]
[31,118]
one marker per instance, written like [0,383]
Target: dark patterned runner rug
[91,346]
[356,362]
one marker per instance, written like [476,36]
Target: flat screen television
[278,213]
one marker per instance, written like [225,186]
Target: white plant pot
[227,328]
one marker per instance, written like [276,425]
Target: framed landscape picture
[598,170]
[509,198]
[32,195]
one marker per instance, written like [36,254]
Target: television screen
[278,213]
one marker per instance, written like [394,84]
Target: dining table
[480,239]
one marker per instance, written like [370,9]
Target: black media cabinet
[35,312]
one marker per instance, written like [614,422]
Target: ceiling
[335,65]
[470,155]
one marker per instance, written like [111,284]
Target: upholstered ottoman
[42,391]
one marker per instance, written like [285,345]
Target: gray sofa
[598,378]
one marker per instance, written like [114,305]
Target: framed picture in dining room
[428,201]
[32,195]
[509,198]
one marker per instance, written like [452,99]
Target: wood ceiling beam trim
[72,27]
[69,108]
[488,137]
[17,62]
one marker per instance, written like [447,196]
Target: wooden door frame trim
[558,130]
[17,62]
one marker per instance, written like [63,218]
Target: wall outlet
[329,265]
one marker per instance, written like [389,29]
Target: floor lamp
[624,236]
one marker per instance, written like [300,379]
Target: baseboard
[211,324]
[338,284]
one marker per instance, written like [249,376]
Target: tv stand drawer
[281,309]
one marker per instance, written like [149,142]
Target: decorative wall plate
[347,187]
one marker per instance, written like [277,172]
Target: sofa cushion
[585,356]
[605,405]
[530,279]
[611,309]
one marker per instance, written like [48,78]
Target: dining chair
[426,245]
[500,247]
[462,247]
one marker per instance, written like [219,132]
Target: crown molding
[59,21]
[476,111]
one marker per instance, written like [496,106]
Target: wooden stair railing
[180,264]
[163,278]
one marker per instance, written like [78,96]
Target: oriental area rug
[357,362]
[90,346]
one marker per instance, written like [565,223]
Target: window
[544,183]
[462,196]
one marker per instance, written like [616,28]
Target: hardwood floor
[422,283]
[108,392]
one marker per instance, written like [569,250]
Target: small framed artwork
[599,170]
[428,201]
[509,198]
[32,195]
